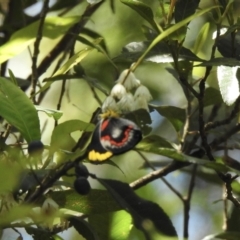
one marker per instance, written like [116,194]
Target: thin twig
[187,202]
[36,49]
[233,114]
[162,178]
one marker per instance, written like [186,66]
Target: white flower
[140,103]
[118,91]
[109,104]
[130,82]
[49,206]
[143,92]
[126,103]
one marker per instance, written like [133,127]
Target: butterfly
[113,136]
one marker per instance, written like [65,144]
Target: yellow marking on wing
[109,113]
[96,156]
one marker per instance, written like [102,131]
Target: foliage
[50,106]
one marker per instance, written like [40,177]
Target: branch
[36,49]
[235,111]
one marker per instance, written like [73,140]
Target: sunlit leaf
[115,225]
[75,59]
[96,202]
[18,110]
[228,83]
[61,137]
[202,37]
[53,28]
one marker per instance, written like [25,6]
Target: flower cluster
[127,95]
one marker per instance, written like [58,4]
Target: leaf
[174,114]
[84,228]
[202,37]
[143,10]
[96,202]
[229,45]
[56,114]
[175,155]
[167,32]
[9,176]
[231,62]
[212,96]
[19,111]
[233,220]
[161,53]
[53,28]
[155,141]
[185,8]
[115,225]
[139,208]
[228,83]
[75,59]
[61,134]
[224,235]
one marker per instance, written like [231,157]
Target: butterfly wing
[119,135]
[113,136]
[96,152]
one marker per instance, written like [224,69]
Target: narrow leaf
[18,110]
[139,208]
[143,10]
[170,30]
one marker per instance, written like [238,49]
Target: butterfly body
[113,136]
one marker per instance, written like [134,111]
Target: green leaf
[139,208]
[170,30]
[56,114]
[185,8]
[212,96]
[231,62]
[96,202]
[9,176]
[174,114]
[143,10]
[61,137]
[53,28]
[19,111]
[75,59]
[153,141]
[202,37]
[233,220]
[15,213]
[228,83]
[115,225]
[176,155]
[84,228]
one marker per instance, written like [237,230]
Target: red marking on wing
[104,124]
[119,144]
